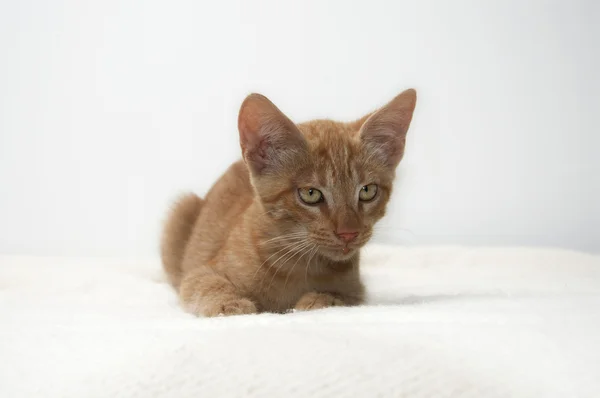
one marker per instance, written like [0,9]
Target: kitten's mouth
[339,252]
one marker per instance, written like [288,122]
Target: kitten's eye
[310,196]
[367,192]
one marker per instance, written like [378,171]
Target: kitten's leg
[205,292]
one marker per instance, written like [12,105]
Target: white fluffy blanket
[440,322]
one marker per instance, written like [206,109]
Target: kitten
[282,228]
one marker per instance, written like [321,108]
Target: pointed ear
[385,130]
[269,140]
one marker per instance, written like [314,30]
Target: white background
[109,109]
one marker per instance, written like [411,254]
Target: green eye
[310,196]
[367,192]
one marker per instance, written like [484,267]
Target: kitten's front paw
[239,306]
[315,301]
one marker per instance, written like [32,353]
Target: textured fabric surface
[441,322]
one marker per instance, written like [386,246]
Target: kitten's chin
[341,254]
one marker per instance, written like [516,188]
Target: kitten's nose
[347,236]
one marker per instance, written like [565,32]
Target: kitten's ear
[385,130]
[269,140]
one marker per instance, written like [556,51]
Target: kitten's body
[252,245]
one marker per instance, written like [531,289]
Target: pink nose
[347,236]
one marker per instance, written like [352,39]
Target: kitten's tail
[176,234]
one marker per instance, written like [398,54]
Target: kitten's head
[325,181]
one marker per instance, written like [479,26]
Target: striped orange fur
[257,243]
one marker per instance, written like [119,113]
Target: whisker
[294,266]
[313,254]
[287,257]
[272,255]
[283,241]
[295,235]
[308,265]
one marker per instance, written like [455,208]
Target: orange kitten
[282,229]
